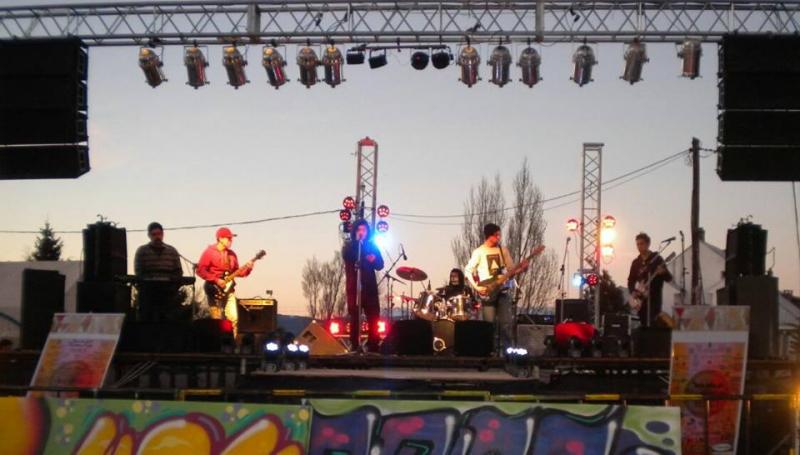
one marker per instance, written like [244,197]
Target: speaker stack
[759,102]
[105,256]
[43,108]
[42,297]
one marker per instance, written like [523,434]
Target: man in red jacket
[217,262]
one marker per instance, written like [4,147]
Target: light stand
[561,287]
[390,287]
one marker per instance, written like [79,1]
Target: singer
[360,253]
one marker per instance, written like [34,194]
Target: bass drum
[428,306]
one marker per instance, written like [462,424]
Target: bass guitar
[221,293]
[495,284]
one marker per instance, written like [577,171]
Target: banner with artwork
[709,357]
[78,350]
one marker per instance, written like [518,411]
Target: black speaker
[44,57]
[474,338]
[169,337]
[759,53]
[767,163]
[763,128]
[409,337]
[443,335]
[575,310]
[104,297]
[759,91]
[212,335]
[42,297]
[105,252]
[257,315]
[745,252]
[760,293]
[42,126]
[653,342]
[44,162]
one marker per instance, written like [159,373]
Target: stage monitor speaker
[474,338]
[760,293]
[42,297]
[44,162]
[212,335]
[759,163]
[320,341]
[575,310]
[745,252]
[108,297]
[167,337]
[443,335]
[532,337]
[409,337]
[257,315]
[105,252]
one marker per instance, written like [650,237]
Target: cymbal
[411,273]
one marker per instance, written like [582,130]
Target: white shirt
[487,262]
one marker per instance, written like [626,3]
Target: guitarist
[487,261]
[648,266]
[217,261]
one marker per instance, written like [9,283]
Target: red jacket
[212,267]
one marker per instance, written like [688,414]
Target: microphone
[568,239]
[403,252]
[668,240]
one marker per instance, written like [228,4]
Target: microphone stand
[387,276]
[683,269]
[563,262]
[355,319]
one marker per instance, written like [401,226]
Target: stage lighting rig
[382,211]
[500,61]
[274,64]
[332,62]
[529,62]
[308,62]
[419,60]
[234,63]
[382,226]
[355,55]
[272,357]
[378,60]
[584,60]
[441,59]
[196,65]
[635,57]
[468,60]
[690,53]
[151,64]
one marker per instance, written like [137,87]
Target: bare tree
[323,287]
[312,286]
[526,231]
[483,205]
[523,232]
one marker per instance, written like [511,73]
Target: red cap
[225,233]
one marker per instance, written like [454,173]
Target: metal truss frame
[425,21]
[591,195]
[367,179]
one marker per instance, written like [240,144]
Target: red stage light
[609,222]
[381,327]
[383,211]
[592,279]
[382,226]
[349,203]
[226,326]
[334,328]
[345,215]
[572,225]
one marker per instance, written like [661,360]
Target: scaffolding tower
[367,180]
[591,192]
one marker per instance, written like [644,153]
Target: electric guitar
[221,293]
[641,292]
[495,284]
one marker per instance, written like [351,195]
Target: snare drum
[459,307]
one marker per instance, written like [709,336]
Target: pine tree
[48,246]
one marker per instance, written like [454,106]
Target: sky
[217,155]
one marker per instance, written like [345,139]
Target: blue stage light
[577,280]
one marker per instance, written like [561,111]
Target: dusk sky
[216,155]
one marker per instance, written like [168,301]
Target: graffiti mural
[122,427]
[350,427]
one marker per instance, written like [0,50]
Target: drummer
[457,285]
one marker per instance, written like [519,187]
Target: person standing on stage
[648,267]
[487,261]
[369,262]
[157,259]
[217,261]
[159,266]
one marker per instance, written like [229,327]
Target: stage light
[441,59]
[529,61]
[307,61]
[304,349]
[196,64]
[419,60]
[584,60]
[151,64]
[346,226]
[383,211]
[500,61]
[292,348]
[234,63]
[573,225]
[577,280]
[377,61]
[607,237]
[354,57]
[468,60]
[382,227]
[334,328]
[382,240]
[274,64]
[349,203]
[690,52]
[592,279]
[635,57]
[332,63]
[607,251]
[381,327]
[345,215]
[271,346]
[609,222]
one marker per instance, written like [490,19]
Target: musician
[217,260]
[457,285]
[158,265]
[487,261]
[647,265]
[370,261]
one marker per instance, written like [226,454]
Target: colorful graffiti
[346,427]
[333,427]
[121,427]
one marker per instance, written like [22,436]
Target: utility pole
[695,221]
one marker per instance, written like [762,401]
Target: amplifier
[257,315]
[618,325]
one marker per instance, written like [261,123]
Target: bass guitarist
[217,263]
[646,281]
[488,261]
